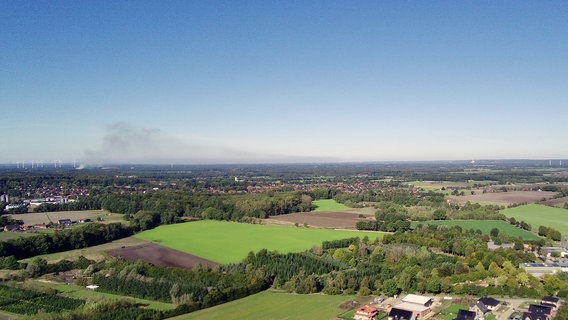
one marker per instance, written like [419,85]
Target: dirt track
[160,256]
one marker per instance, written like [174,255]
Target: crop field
[274,305]
[485,226]
[230,242]
[159,256]
[504,198]
[326,219]
[47,217]
[77,292]
[537,215]
[328,205]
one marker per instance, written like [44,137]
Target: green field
[328,205]
[74,291]
[538,215]
[273,305]
[230,242]
[485,226]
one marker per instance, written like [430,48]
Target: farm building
[418,305]
[540,269]
[65,222]
[365,313]
[12,227]
[417,299]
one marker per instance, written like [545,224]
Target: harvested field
[505,198]
[553,202]
[333,220]
[160,256]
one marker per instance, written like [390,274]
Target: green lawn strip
[230,242]
[451,312]
[328,205]
[274,305]
[77,292]
[538,215]
[484,225]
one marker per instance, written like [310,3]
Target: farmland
[326,219]
[485,227]
[77,292]
[328,205]
[53,217]
[274,305]
[538,215]
[228,242]
[504,198]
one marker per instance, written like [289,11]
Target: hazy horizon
[282,82]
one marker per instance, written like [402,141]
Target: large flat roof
[411,307]
[414,298]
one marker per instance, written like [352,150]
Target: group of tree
[62,240]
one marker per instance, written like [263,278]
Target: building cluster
[416,307]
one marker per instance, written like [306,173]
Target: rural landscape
[304,241]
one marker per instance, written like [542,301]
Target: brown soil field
[160,256]
[553,202]
[509,197]
[324,219]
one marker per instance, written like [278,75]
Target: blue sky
[282,81]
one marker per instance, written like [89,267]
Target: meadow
[274,305]
[230,242]
[328,205]
[485,226]
[538,215]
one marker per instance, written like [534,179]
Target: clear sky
[282,81]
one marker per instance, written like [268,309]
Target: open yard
[504,198]
[230,242]
[326,219]
[538,215]
[485,226]
[274,305]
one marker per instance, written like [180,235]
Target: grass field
[230,242]
[74,291]
[485,226]
[537,215]
[273,305]
[328,205]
